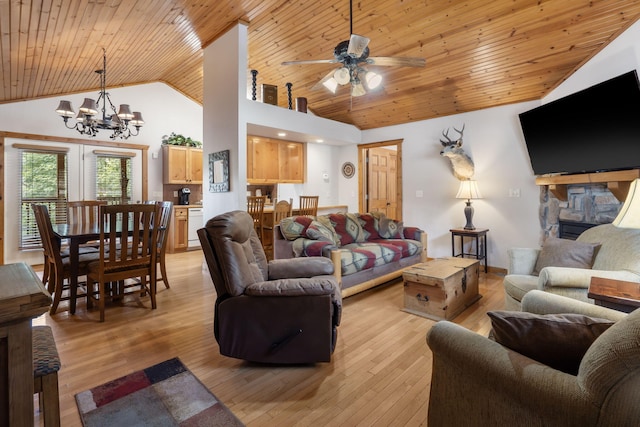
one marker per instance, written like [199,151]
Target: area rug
[166,394]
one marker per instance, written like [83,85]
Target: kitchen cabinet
[181,165]
[272,160]
[179,230]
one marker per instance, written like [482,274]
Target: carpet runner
[166,394]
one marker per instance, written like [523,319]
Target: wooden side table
[22,297]
[480,237]
[616,294]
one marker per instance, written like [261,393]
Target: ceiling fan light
[373,79]
[89,107]
[357,88]
[342,76]
[331,84]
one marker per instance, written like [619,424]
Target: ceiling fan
[352,54]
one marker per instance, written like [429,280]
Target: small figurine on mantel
[461,163]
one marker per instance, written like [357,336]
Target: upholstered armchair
[616,256]
[281,311]
[478,382]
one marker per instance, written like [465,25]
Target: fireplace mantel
[618,182]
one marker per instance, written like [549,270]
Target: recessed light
[282,134]
[319,141]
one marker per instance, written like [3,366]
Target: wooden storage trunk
[440,289]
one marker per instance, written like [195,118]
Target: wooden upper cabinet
[272,160]
[182,165]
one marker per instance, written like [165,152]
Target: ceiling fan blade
[396,61]
[320,84]
[357,45]
[311,61]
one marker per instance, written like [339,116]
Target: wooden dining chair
[255,207]
[58,266]
[164,219]
[308,205]
[84,211]
[282,210]
[129,228]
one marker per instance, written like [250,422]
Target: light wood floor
[379,374]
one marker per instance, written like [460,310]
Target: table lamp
[468,190]
[629,215]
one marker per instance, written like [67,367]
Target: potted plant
[177,139]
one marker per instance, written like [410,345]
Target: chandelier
[86,121]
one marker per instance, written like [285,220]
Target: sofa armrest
[422,235]
[569,277]
[540,302]
[282,248]
[483,377]
[299,267]
[522,260]
[336,260]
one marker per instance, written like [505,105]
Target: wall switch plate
[419,193]
[514,192]
[175,194]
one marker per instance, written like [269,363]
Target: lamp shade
[629,215]
[373,79]
[125,112]
[342,76]
[357,88]
[331,84]
[65,109]
[89,107]
[137,119]
[468,190]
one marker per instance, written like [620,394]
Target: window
[113,178]
[43,180]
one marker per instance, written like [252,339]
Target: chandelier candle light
[468,190]
[86,121]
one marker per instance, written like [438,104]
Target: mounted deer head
[460,162]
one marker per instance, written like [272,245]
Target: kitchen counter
[187,206]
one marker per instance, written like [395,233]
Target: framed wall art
[219,172]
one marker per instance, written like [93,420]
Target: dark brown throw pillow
[565,253]
[556,340]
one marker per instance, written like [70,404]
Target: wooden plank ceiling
[479,53]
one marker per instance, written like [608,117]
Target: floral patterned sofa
[367,249]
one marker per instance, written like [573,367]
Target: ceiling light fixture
[351,54]
[88,124]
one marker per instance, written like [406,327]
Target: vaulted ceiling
[478,53]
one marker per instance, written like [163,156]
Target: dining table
[75,234]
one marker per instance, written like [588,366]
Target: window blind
[43,180]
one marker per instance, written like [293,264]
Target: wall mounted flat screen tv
[594,130]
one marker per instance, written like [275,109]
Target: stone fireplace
[582,201]
[586,205]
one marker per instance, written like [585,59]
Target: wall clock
[348,169]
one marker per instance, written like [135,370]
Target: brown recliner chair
[282,311]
